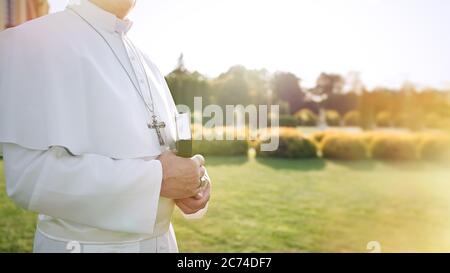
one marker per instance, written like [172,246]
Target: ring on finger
[203,181]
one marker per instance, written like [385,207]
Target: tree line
[403,107]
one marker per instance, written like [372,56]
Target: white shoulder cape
[59,86]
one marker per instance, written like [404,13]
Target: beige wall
[24,10]
[2,14]
[20,11]
[42,7]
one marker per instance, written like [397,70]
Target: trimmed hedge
[352,118]
[306,117]
[382,145]
[333,118]
[393,147]
[292,144]
[208,145]
[384,119]
[433,120]
[319,136]
[343,146]
[332,144]
[220,147]
[288,121]
[434,147]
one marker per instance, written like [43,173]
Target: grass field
[301,206]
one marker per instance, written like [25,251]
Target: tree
[330,83]
[185,85]
[366,110]
[286,87]
[342,103]
[231,87]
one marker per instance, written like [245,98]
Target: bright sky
[387,41]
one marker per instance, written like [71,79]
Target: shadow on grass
[225,160]
[401,165]
[443,163]
[414,165]
[357,165]
[293,164]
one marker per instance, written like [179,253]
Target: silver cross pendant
[157,126]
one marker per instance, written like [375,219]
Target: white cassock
[76,145]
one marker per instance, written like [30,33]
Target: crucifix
[157,126]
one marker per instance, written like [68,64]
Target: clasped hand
[181,181]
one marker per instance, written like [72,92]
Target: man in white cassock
[87,127]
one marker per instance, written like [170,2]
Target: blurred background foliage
[406,107]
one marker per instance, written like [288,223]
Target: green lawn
[301,206]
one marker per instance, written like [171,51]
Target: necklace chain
[136,53]
[150,109]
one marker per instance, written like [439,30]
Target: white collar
[101,18]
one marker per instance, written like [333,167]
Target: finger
[199,159]
[197,191]
[205,181]
[201,203]
[189,204]
[198,203]
[207,190]
[202,172]
[184,208]
[198,196]
[205,196]
[207,176]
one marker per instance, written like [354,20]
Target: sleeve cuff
[153,178]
